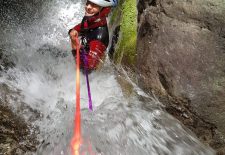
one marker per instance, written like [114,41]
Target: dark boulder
[16,135]
[5,61]
[181,58]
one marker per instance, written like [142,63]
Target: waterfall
[34,36]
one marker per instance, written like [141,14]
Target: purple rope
[87,80]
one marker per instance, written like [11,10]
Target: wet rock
[115,37]
[15,135]
[180,57]
[5,61]
[47,49]
[124,24]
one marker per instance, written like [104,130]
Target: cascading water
[44,75]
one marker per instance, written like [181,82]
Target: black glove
[74,52]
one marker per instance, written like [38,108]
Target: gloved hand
[74,52]
[73,36]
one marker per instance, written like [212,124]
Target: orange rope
[76,140]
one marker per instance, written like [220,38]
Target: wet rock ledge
[180,58]
[15,135]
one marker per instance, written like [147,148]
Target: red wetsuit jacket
[94,30]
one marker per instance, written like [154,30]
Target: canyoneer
[93,33]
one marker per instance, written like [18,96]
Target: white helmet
[105,3]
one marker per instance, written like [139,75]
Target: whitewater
[123,122]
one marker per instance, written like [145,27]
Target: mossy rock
[126,14]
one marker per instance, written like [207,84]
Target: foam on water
[45,79]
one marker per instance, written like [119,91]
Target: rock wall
[124,22]
[181,58]
[17,137]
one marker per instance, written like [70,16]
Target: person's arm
[73,35]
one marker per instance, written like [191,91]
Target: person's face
[91,8]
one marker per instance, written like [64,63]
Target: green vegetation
[125,51]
